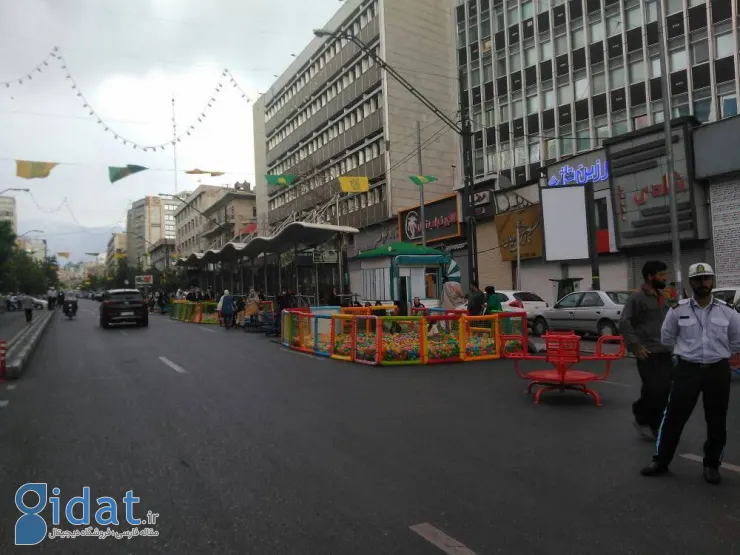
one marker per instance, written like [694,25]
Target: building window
[700,51]
[515,62]
[527,9]
[578,38]
[638,122]
[533,104]
[728,105]
[677,59]
[566,145]
[637,71]
[703,108]
[596,29]
[565,95]
[673,6]
[551,149]
[602,133]
[561,45]
[583,139]
[581,87]
[654,67]
[549,99]
[530,56]
[616,77]
[634,17]
[723,45]
[599,83]
[516,109]
[613,24]
[545,50]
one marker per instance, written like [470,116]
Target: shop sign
[530,233]
[581,174]
[442,221]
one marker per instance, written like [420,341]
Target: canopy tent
[295,235]
[400,248]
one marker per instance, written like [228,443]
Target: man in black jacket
[640,325]
[476,300]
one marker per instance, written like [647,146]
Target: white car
[731,295]
[40,304]
[516,301]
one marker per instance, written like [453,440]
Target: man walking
[27,305]
[705,333]
[640,325]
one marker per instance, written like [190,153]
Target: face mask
[657,284]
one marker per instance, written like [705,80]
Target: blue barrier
[325,351]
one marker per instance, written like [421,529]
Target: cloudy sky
[128,57]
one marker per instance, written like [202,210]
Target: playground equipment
[563,351]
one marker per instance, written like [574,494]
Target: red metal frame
[563,351]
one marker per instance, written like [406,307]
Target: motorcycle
[70,310]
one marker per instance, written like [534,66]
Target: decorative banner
[529,229]
[204,172]
[92,253]
[280,179]
[63,254]
[118,173]
[354,184]
[422,179]
[38,69]
[33,170]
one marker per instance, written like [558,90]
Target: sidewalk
[12,323]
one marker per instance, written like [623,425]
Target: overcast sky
[129,57]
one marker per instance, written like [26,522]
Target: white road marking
[4,404]
[697,458]
[208,330]
[11,387]
[441,540]
[172,365]
[616,383]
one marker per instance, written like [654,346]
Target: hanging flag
[92,253]
[120,255]
[422,179]
[354,184]
[33,170]
[204,172]
[280,179]
[116,173]
[63,254]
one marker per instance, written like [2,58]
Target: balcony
[209,228]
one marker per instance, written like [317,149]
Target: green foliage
[20,272]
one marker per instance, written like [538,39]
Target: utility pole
[593,250]
[174,140]
[518,255]
[468,195]
[421,188]
[668,136]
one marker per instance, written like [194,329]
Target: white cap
[700,269]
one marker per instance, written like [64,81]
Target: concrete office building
[149,220]
[189,220]
[116,244]
[334,112]
[548,80]
[9,212]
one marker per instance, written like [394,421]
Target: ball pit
[443,346]
[480,345]
[401,347]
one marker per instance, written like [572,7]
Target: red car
[119,306]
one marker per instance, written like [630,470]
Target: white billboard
[564,223]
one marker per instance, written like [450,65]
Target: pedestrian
[27,306]
[493,301]
[640,326]
[475,300]
[704,332]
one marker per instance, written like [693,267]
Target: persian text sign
[442,221]
[530,233]
[580,174]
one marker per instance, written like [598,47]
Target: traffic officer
[704,332]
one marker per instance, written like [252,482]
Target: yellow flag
[354,184]
[33,170]
[63,254]
[120,255]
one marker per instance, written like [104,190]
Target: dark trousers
[690,379]
[29,314]
[655,373]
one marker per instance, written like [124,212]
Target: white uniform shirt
[702,335]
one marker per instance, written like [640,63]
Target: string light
[57,55]
[28,76]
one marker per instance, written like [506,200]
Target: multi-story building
[547,80]
[116,245]
[233,214]
[149,220]
[189,219]
[35,248]
[160,255]
[9,212]
[335,112]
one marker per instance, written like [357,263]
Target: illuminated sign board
[581,174]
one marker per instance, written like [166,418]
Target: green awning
[400,248]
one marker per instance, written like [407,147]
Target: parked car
[119,306]
[520,300]
[594,312]
[40,304]
[731,295]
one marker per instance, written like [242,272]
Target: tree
[20,272]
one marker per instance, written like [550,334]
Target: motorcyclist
[69,302]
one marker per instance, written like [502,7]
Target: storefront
[639,193]
[716,160]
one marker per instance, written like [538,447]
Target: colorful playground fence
[343,336]
[442,339]
[366,347]
[401,340]
[479,337]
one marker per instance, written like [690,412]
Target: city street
[14,322]
[244,447]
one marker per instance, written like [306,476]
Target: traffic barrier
[366,345]
[3,361]
[402,340]
[479,338]
[442,343]
[341,345]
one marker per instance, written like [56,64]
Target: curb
[22,350]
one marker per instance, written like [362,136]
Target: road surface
[243,447]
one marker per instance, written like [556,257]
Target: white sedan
[40,304]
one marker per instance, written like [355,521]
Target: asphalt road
[12,323]
[243,447]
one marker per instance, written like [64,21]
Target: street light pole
[668,136]
[15,189]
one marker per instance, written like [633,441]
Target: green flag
[421,179]
[280,179]
[117,173]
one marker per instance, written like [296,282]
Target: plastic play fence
[402,340]
[194,312]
